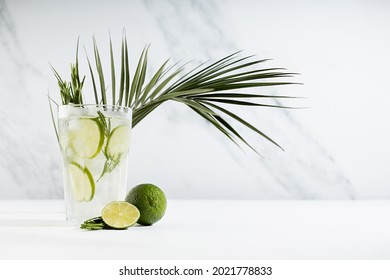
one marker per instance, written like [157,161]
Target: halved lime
[120,214]
[86,137]
[83,185]
[119,140]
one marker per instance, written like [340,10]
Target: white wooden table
[205,229]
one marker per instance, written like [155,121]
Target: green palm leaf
[201,88]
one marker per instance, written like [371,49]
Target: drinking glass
[94,141]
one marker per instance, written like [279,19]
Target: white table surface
[205,229]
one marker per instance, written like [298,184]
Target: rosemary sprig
[96,223]
[112,161]
[71,92]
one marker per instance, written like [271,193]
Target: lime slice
[120,214]
[86,137]
[119,140]
[82,182]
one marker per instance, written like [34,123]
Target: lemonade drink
[94,143]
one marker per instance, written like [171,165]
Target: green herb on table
[96,223]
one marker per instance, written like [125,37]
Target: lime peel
[151,202]
[118,141]
[81,179]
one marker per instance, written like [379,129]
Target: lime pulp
[120,214]
[86,137]
[81,180]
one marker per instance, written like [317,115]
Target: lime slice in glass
[86,137]
[81,180]
[119,140]
[120,214]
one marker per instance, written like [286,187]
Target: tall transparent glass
[94,142]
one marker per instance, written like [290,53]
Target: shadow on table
[32,223]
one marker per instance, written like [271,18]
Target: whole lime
[150,201]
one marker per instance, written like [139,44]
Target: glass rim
[108,106]
[68,110]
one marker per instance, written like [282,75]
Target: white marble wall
[339,148]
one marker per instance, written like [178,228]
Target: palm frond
[126,70]
[50,100]
[93,79]
[99,69]
[139,79]
[113,91]
[205,89]
[248,125]
[153,82]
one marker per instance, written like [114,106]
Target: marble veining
[172,147]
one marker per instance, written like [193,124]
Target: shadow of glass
[33,223]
